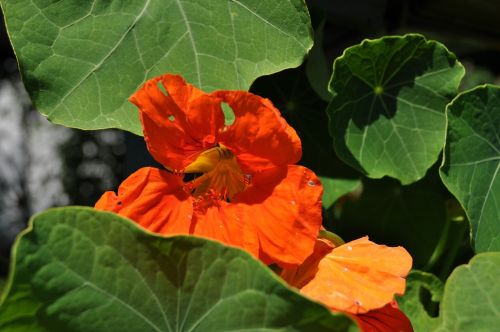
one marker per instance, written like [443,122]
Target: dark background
[469,28]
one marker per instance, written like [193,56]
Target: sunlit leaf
[81,60]
[472,296]
[471,163]
[387,111]
[78,269]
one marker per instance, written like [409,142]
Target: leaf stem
[440,247]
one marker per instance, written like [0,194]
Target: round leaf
[472,296]
[78,269]
[387,111]
[471,162]
[81,60]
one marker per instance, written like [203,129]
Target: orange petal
[223,223]
[154,199]
[385,319]
[360,276]
[259,137]
[284,204]
[178,126]
[299,276]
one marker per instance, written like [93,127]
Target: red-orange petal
[284,204]
[154,199]
[385,319]
[179,126]
[259,137]
[223,223]
[277,218]
[360,276]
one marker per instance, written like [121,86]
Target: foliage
[398,149]
[75,268]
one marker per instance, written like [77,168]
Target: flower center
[222,177]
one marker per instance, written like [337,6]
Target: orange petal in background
[360,276]
[259,137]
[179,126]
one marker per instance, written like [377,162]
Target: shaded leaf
[78,269]
[471,162]
[81,60]
[318,72]
[411,216]
[387,110]
[302,108]
[411,303]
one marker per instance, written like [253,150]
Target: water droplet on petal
[311,183]
[293,202]
[189,216]
[345,269]
[349,248]
[357,302]
[171,117]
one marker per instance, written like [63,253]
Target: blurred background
[44,165]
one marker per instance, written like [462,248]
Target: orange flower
[247,194]
[359,278]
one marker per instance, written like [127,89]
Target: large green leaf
[411,303]
[472,160]
[471,299]
[81,60]
[78,269]
[387,110]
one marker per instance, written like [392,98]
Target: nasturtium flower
[244,189]
[359,278]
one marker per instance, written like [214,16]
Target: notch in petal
[179,121]
[259,137]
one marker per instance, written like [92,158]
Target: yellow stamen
[222,174]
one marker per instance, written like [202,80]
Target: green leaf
[318,72]
[472,296]
[412,216]
[336,188]
[387,110]
[411,303]
[78,269]
[81,60]
[472,160]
